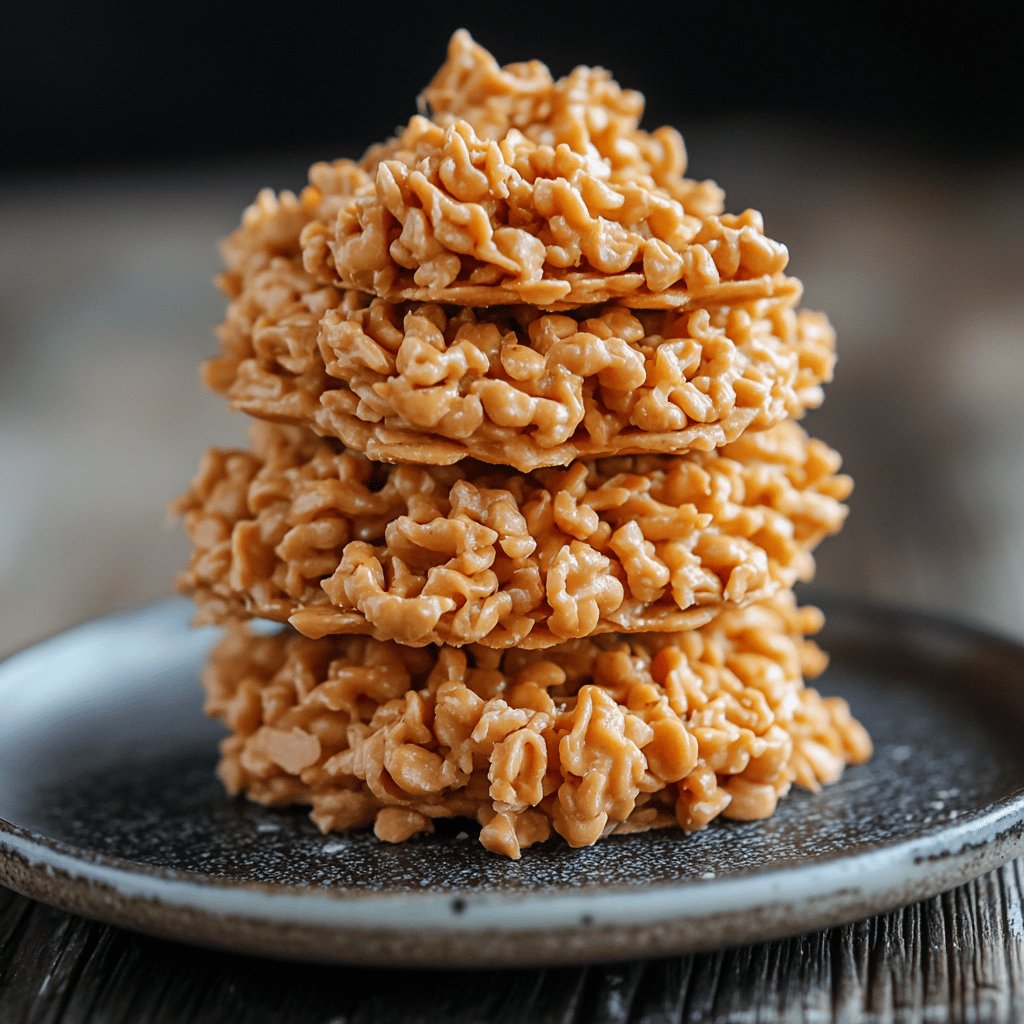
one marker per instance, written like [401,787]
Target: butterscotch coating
[592,737]
[300,530]
[586,110]
[511,385]
[453,217]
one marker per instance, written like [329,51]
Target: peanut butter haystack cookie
[595,736]
[300,530]
[420,382]
[525,491]
[530,190]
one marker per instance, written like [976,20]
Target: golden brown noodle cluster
[525,482]
[298,530]
[519,188]
[431,384]
[587,111]
[595,736]
[451,217]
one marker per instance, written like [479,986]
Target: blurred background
[884,144]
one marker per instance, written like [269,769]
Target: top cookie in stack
[522,276]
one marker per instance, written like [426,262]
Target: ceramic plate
[109,808]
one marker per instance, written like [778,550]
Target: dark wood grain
[958,957]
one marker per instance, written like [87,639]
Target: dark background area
[103,82]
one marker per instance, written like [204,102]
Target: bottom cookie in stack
[603,735]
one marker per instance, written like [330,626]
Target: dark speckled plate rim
[835,889]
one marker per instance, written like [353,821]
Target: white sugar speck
[267,826]
[900,753]
[708,874]
[334,846]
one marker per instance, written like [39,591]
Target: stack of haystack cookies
[525,482]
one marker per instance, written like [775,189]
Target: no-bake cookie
[596,736]
[301,530]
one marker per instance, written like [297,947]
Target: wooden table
[958,957]
[107,312]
